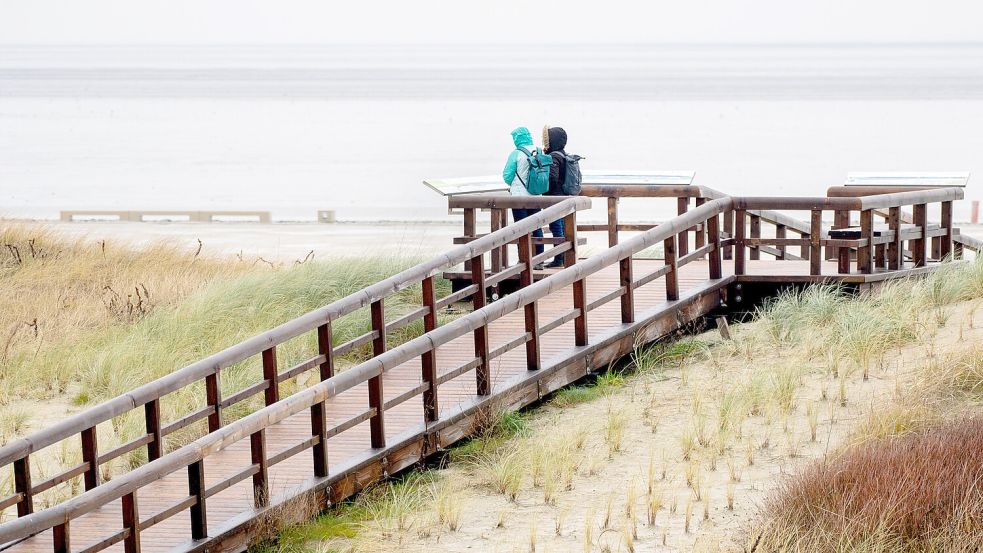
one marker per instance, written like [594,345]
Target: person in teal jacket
[515,174]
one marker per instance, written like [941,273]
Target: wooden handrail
[200,370]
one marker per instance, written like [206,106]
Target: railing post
[271,375]
[213,396]
[728,252]
[612,222]
[61,538]
[841,219]
[90,455]
[531,311]
[319,430]
[131,523]
[780,234]
[482,378]
[627,282]
[918,245]
[580,302]
[895,257]
[682,241]
[196,489]
[672,280]
[755,251]
[151,415]
[377,426]
[701,230]
[740,249]
[22,485]
[865,252]
[570,233]
[325,348]
[429,358]
[946,239]
[470,229]
[504,222]
[496,255]
[257,450]
[713,235]
[815,242]
[805,249]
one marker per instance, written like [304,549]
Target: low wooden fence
[190,458]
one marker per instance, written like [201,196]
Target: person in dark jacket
[554,142]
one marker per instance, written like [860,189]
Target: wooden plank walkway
[228,506]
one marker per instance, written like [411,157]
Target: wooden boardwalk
[409,400]
[294,472]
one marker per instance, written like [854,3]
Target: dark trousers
[557,230]
[520,214]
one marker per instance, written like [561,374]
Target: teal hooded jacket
[517,162]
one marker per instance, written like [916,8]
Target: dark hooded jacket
[554,141]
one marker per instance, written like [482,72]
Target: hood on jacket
[554,139]
[521,137]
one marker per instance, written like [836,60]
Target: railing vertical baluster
[701,230]
[90,455]
[815,242]
[682,241]
[580,302]
[672,277]
[918,245]
[131,523]
[22,485]
[531,310]
[257,451]
[213,396]
[865,252]
[612,222]
[628,298]
[196,488]
[740,236]
[470,229]
[325,348]
[895,257]
[61,538]
[271,375]
[482,377]
[728,252]
[377,426]
[780,234]
[755,251]
[570,234]
[151,415]
[946,239]
[713,235]
[429,358]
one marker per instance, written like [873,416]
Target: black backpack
[573,179]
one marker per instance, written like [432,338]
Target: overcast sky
[487,21]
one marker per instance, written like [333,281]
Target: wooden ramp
[326,442]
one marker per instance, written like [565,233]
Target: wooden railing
[190,458]
[208,371]
[567,285]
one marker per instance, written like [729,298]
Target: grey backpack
[573,178]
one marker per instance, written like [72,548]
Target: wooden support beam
[755,253]
[570,233]
[482,376]
[90,455]
[261,485]
[612,222]
[61,538]
[626,282]
[429,358]
[530,309]
[780,233]
[865,253]
[325,348]
[682,240]
[377,426]
[580,333]
[470,229]
[919,245]
[701,230]
[728,252]
[815,241]
[213,395]
[196,488]
[319,430]
[713,235]
[740,235]
[151,414]
[270,374]
[131,523]
[22,485]
[945,248]
[672,277]
[895,255]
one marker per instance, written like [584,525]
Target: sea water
[294,129]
